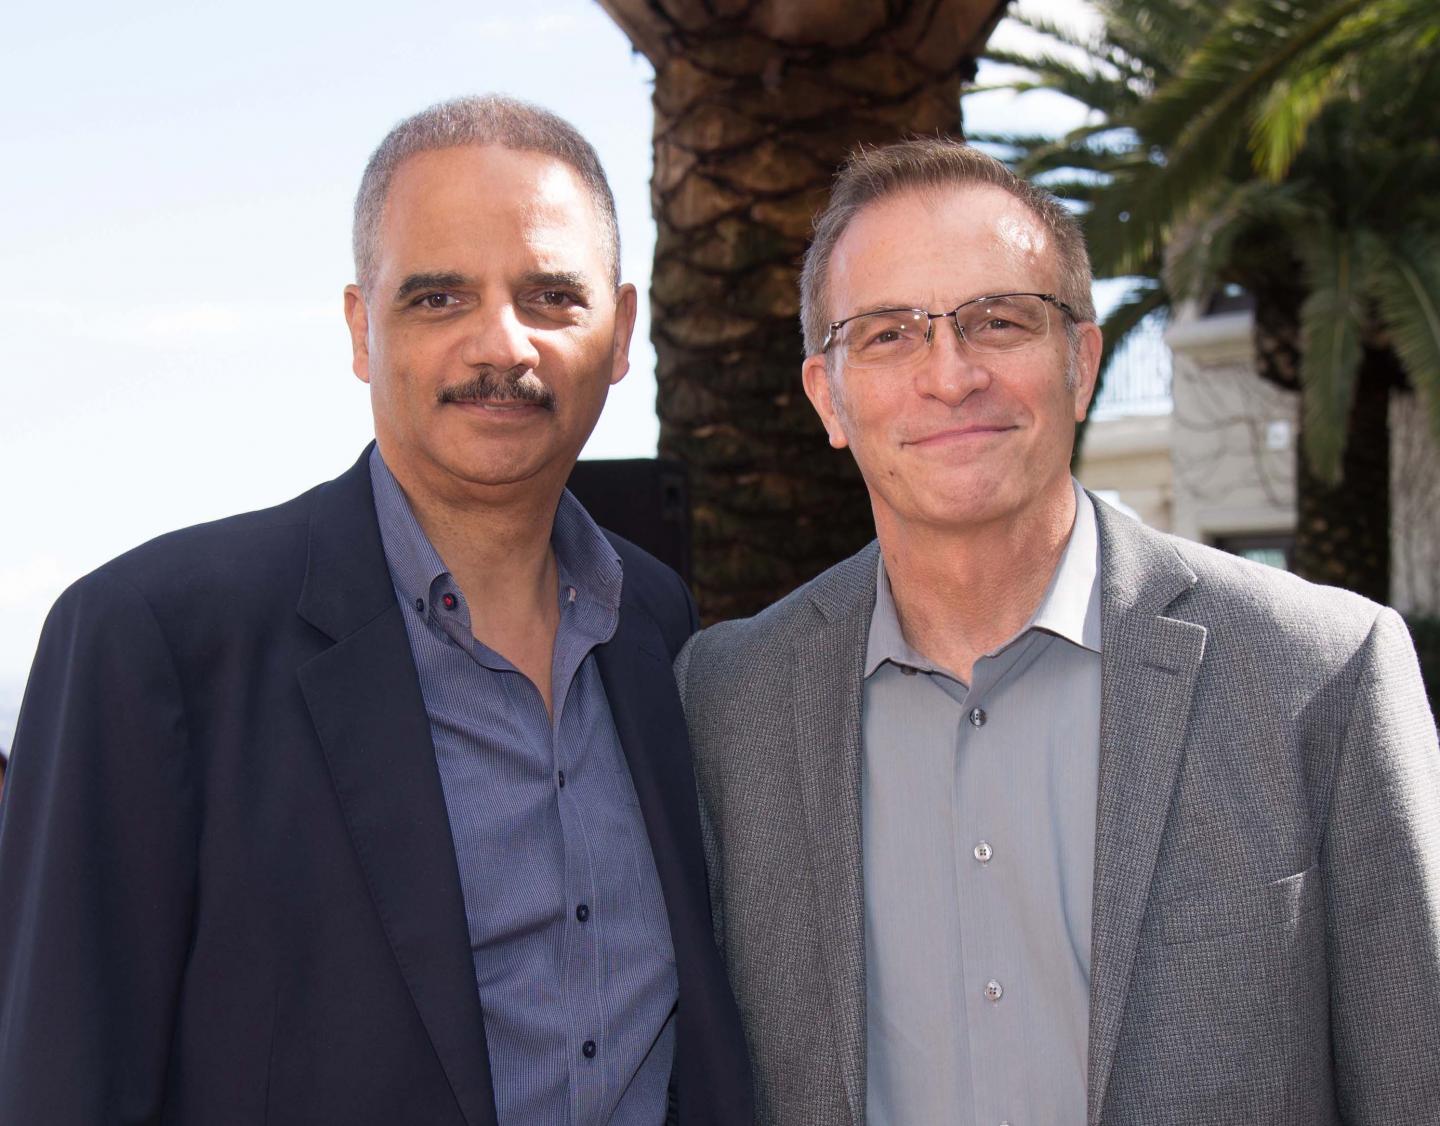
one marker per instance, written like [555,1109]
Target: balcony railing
[1138,381]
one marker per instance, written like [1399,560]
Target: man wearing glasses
[1027,814]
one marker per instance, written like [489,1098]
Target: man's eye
[436,301]
[557,298]
[881,335]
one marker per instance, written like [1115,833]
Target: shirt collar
[1071,606]
[1069,609]
[586,562]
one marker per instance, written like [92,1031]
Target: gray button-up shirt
[572,951]
[979,842]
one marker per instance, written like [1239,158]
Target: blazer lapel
[651,729]
[829,667]
[1149,664]
[364,697]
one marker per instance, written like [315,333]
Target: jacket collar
[1149,663]
[364,699]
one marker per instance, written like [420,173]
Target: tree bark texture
[756,105]
[1342,530]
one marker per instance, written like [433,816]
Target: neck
[960,592]
[494,541]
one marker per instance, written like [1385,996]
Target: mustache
[518,385]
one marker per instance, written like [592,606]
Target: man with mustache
[1027,814]
[377,807]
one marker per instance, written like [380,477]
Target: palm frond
[1201,116]
[1405,279]
[1332,321]
[1161,33]
[1237,62]
[1051,29]
[1094,89]
[1283,116]
[1227,227]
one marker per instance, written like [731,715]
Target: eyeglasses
[1001,322]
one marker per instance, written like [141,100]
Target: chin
[970,504]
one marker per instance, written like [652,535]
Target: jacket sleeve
[1381,858]
[97,867]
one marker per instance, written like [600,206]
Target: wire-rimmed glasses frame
[995,334]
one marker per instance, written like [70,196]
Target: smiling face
[491,331]
[956,440]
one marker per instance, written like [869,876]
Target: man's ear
[626,305]
[819,391]
[1087,366]
[358,319]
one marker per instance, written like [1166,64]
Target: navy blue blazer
[228,892]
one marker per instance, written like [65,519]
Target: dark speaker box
[646,500]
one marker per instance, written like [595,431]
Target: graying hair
[490,119]
[929,163]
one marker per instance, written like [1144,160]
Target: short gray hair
[928,163]
[490,119]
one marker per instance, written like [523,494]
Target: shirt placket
[581,985]
[992,988]
[588,1043]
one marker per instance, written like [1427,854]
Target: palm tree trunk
[1342,530]
[752,116]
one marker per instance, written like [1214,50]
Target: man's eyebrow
[878,307]
[442,280]
[558,279]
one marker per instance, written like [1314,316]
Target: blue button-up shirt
[572,951]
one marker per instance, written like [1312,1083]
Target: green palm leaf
[1332,320]
[1405,278]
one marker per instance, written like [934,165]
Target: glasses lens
[1003,324]
[879,340]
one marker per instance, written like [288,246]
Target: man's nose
[498,338]
[950,369]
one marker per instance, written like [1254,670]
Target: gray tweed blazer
[1267,858]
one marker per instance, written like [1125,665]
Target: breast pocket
[1222,912]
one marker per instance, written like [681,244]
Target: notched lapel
[1149,667]
[364,698]
[651,728]
[829,663]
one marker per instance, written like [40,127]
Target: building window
[1275,549]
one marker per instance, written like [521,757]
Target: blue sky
[174,239]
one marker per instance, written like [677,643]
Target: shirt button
[582,912]
[994,990]
[587,1049]
[562,779]
[977,717]
[420,605]
[983,852]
